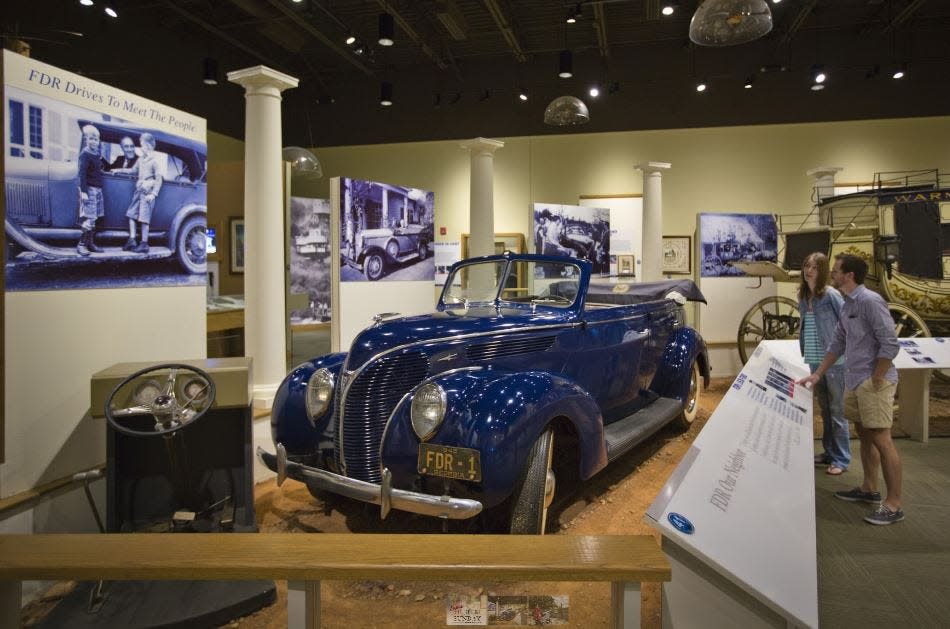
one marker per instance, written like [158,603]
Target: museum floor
[868,576]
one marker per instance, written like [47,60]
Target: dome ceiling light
[730,22]
[565,111]
[302,162]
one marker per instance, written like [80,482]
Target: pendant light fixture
[730,22]
[386,94]
[387,30]
[565,111]
[565,64]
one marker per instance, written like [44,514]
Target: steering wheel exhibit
[185,396]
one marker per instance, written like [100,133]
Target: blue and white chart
[742,501]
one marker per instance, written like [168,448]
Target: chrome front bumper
[383,495]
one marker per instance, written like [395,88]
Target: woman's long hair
[820,261]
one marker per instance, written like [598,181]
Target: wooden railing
[305,560]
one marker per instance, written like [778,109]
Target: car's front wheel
[536,491]
[373,266]
[190,247]
[691,402]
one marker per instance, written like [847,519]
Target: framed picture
[677,254]
[625,265]
[237,245]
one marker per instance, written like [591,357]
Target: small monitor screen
[211,244]
[800,245]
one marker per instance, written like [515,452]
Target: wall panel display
[104,189]
[310,258]
[386,232]
[574,231]
[727,238]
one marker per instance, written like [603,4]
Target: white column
[651,266]
[264,324]
[481,213]
[824,181]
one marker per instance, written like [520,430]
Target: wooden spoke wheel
[907,323]
[769,319]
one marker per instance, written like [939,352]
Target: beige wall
[736,169]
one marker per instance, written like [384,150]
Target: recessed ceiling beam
[799,20]
[905,14]
[411,32]
[600,25]
[506,29]
[295,17]
[214,30]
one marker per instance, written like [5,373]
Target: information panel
[743,499]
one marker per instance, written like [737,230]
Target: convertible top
[631,293]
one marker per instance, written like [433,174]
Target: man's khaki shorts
[870,408]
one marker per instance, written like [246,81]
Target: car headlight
[428,410]
[319,393]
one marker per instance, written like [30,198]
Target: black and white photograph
[728,238]
[310,258]
[386,232]
[574,231]
[93,201]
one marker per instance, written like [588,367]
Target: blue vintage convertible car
[527,371]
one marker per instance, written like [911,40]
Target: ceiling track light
[350,39]
[594,91]
[565,64]
[818,75]
[522,95]
[387,29]
[701,86]
[110,11]
[748,82]
[899,72]
[386,94]
[86,3]
[210,71]
[668,8]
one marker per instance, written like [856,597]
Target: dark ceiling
[465,84]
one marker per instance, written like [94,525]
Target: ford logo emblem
[680,523]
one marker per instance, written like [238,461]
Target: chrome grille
[370,400]
[508,347]
[28,203]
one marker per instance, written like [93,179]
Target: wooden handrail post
[624,605]
[303,605]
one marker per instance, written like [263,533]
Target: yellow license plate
[460,463]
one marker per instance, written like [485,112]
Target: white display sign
[923,353]
[445,255]
[743,498]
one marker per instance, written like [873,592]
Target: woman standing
[819,306]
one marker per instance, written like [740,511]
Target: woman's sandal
[834,470]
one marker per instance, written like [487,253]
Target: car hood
[447,325]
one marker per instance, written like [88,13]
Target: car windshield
[552,284]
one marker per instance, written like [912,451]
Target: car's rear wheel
[423,250]
[691,402]
[373,266]
[190,247]
[536,490]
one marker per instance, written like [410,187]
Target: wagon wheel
[769,319]
[907,323]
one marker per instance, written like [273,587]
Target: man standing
[865,335]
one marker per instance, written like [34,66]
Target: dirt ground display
[612,503]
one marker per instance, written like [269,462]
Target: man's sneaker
[883,516]
[859,495]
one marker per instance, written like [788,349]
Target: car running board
[622,435]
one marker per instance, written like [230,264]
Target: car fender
[672,375]
[368,249]
[185,212]
[500,414]
[289,423]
